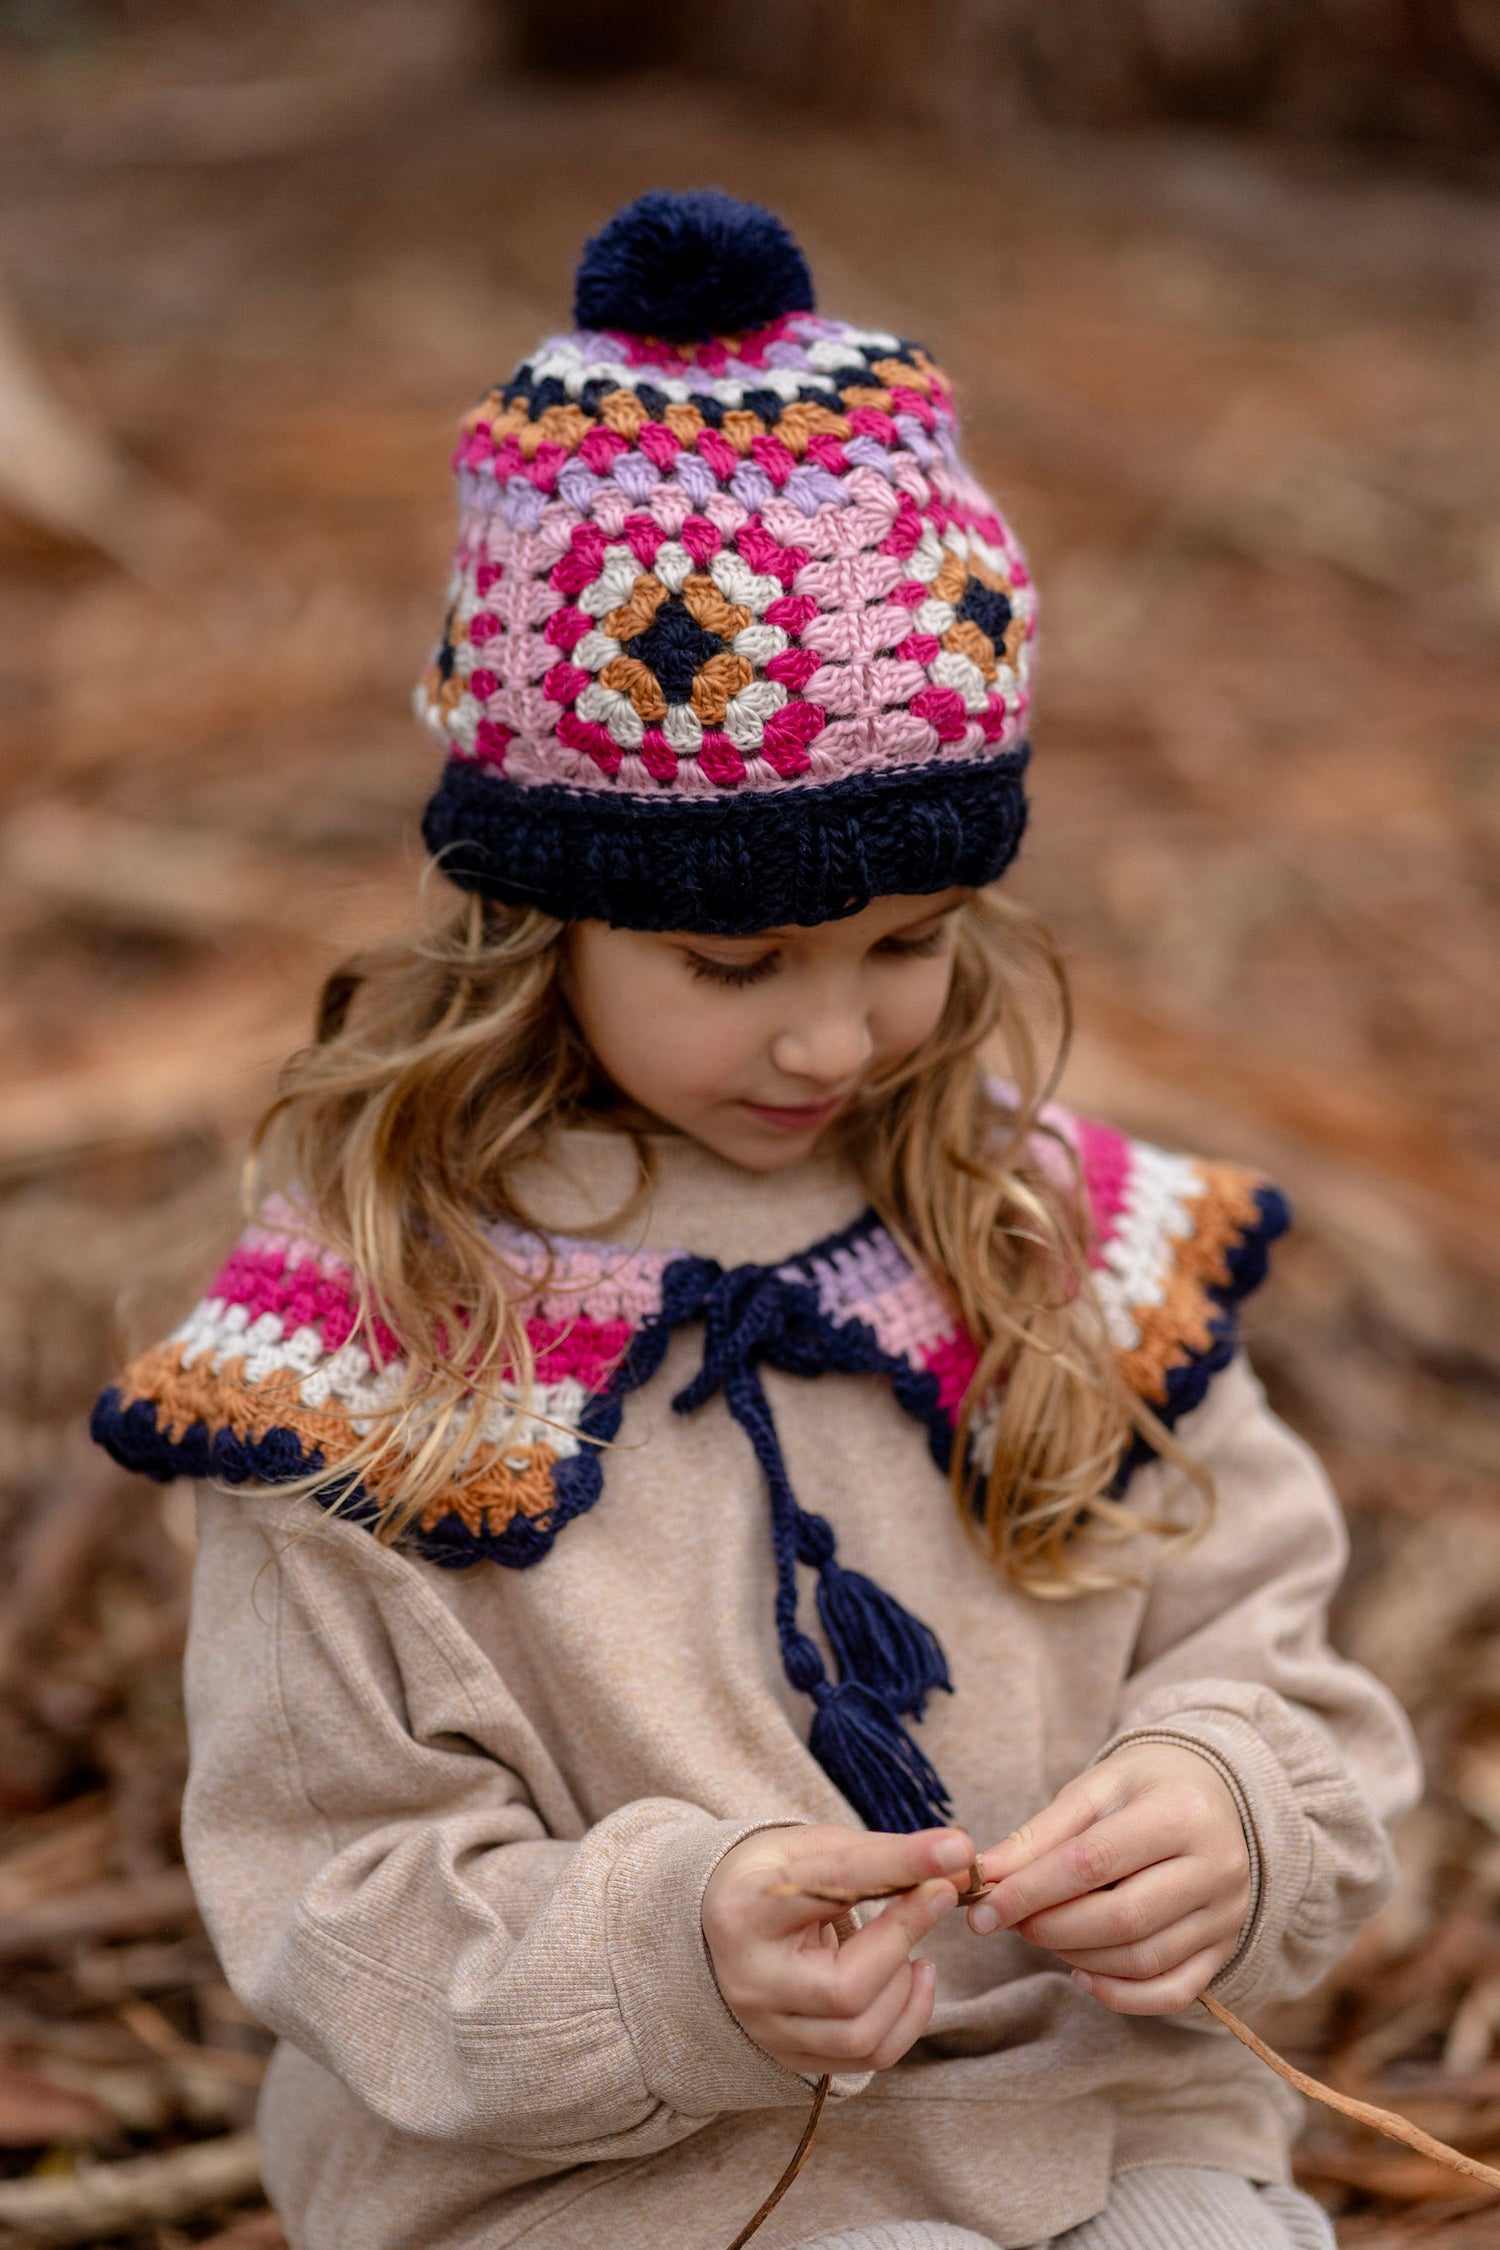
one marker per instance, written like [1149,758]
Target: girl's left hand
[1137,1875]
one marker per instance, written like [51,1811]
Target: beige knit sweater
[451,1829]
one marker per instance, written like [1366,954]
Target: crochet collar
[267,1380]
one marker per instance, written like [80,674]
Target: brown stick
[800,2153]
[111,2198]
[1388,2121]
[100,1910]
[799,2158]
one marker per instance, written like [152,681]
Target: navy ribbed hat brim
[731,865]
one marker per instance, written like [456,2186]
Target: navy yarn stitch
[889,1661]
[688,267]
[536,393]
[732,863]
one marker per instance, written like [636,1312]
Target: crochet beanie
[734,639]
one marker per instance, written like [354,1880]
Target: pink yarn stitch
[587,1350]
[953,1362]
[300,1294]
[825,543]
[1104,1156]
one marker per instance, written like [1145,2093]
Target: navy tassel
[888,1660]
[877,1642]
[868,1755]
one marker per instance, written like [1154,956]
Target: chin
[764,1152]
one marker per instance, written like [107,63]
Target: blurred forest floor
[1243,408]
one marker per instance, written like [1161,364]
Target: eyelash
[738,975]
[918,947]
[731,973]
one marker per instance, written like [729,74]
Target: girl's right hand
[811,2003]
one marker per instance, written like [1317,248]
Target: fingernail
[984,1918]
[1083,1980]
[953,1854]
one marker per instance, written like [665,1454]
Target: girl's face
[754,1045]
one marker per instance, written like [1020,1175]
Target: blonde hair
[442,1061]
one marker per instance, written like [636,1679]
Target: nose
[829,1044]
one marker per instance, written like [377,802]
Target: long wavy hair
[442,1061]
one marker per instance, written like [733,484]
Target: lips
[802,1119]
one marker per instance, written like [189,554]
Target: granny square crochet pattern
[734,639]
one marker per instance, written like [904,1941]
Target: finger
[1158,1955]
[815,1982]
[913,2019]
[853,2038]
[1074,1808]
[1131,1910]
[1112,1848]
[810,2056]
[857,1867]
[1156,1996]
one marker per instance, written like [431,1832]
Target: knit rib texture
[1161,2207]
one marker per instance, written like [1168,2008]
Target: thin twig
[799,2158]
[1386,2121]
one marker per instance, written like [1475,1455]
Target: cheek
[667,1040]
[910,1008]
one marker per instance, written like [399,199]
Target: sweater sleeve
[398,1882]
[1232,1661]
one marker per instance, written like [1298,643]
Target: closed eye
[735,973]
[918,948]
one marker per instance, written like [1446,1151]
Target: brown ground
[1243,411]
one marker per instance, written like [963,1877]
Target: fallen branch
[148,2190]
[101,1910]
[36,2110]
[60,471]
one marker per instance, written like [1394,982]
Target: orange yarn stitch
[184,1395]
[499,1493]
[966,638]
[703,601]
[629,676]
[623,413]
[952,578]
[1170,1332]
[717,680]
[635,616]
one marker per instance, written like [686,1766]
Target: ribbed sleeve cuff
[1276,1836]
[690,2046]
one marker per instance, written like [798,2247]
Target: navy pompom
[688,267]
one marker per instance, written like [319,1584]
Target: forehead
[879,917]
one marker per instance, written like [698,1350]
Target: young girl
[683,1449]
